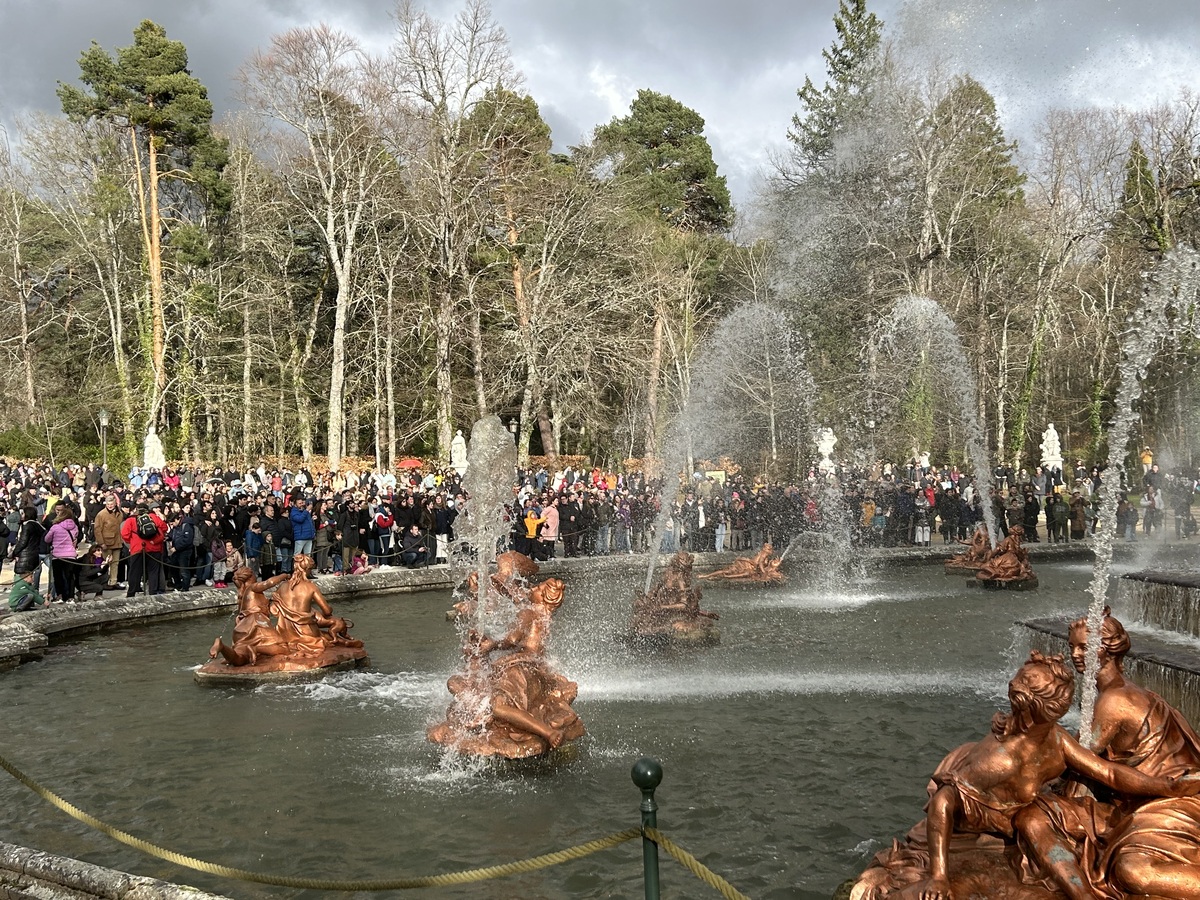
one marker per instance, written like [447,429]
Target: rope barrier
[394,884]
[693,865]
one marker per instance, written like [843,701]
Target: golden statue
[508,701]
[671,610]
[512,572]
[979,549]
[1130,846]
[1008,566]
[990,801]
[292,632]
[304,615]
[254,634]
[761,568]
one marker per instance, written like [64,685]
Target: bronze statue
[979,550]
[508,701]
[761,568]
[1132,847]
[304,615]
[985,795]
[671,611]
[254,634]
[1008,566]
[512,570]
[292,632]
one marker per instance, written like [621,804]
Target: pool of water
[792,751]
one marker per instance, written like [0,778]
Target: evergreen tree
[661,149]
[148,90]
[1141,215]
[852,63]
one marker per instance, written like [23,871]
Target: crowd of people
[155,530]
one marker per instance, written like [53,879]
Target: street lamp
[512,429]
[104,439]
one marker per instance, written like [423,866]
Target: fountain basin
[793,750]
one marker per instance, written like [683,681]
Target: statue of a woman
[152,451]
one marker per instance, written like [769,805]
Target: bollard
[647,774]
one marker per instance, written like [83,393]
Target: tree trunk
[337,373]
[652,378]
[481,404]
[443,385]
[247,393]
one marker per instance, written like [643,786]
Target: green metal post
[647,774]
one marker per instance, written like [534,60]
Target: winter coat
[63,537]
[144,545]
[107,528]
[26,550]
[303,527]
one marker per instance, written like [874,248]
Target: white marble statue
[1052,457]
[826,441]
[152,451]
[458,452]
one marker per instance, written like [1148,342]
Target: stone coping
[33,874]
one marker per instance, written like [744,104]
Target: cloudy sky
[737,62]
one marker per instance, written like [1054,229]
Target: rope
[693,865]
[395,884]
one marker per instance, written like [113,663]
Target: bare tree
[315,81]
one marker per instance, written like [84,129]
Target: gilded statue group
[761,568]
[508,700]
[1029,813]
[1005,565]
[292,630]
[670,611]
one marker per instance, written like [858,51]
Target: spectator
[63,539]
[26,550]
[413,550]
[304,528]
[23,595]
[145,533]
[106,531]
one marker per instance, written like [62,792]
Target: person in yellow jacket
[533,521]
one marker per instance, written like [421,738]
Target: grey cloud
[736,63]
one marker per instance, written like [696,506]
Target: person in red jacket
[145,552]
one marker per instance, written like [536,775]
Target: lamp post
[104,439]
[512,429]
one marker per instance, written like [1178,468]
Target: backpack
[147,529]
[44,546]
[181,535]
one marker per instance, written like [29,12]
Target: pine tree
[852,63]
[661,148]
[1141,212]
[149,91]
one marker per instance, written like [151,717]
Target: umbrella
[410,463]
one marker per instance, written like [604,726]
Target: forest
[376,249]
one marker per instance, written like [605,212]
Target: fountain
[1148,849]
[923,316]
[292,635]
[836,680]
[508,699]
[670,613]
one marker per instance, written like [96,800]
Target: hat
[155,505]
